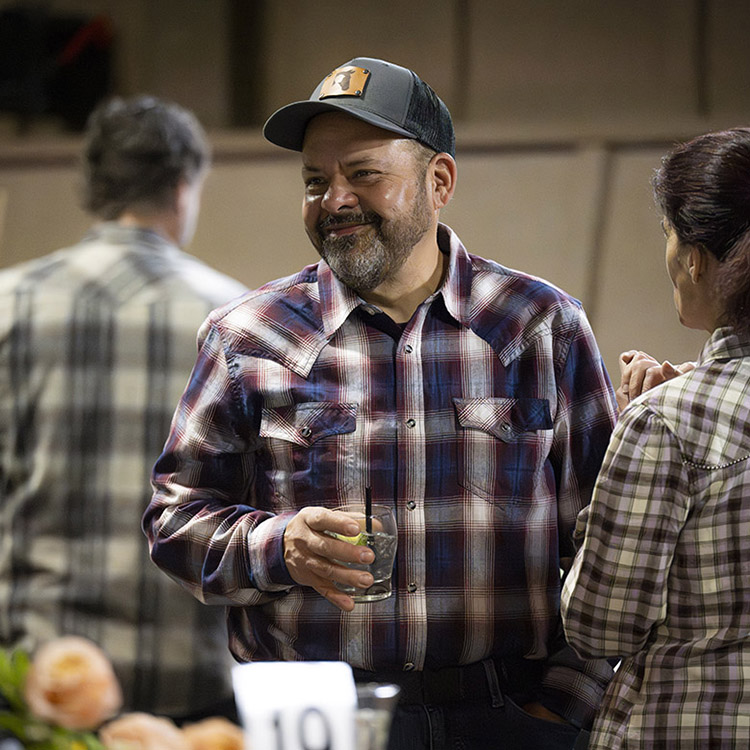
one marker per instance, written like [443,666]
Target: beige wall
[563,111]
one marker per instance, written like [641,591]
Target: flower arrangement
[67,698]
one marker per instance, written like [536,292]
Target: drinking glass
[376,702]
[381,536]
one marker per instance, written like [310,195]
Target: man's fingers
[338,598]
[327,588]
[324,519]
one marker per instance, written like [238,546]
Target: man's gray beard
[363,262]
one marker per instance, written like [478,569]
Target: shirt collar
[338,301]
[725,343]
[456,287]
[147,240]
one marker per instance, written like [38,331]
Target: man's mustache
[364,217]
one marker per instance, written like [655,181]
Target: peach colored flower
[142,731]
[214,733]
[71,684]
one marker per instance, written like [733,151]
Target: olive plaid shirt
[483,425]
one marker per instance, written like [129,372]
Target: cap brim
[286,127]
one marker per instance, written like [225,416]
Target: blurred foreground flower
[59,699]
[43,709]
[71,683]
[215,733]
[142,731]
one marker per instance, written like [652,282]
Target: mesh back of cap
[429,119]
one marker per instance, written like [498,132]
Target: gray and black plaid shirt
[96,345]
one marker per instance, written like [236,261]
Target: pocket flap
[505,418]
[306,423]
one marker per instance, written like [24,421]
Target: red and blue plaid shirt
[483,424]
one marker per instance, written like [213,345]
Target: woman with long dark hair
[662,578]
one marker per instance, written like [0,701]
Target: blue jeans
[473,707]
[478,726]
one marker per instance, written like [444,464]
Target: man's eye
[313,183]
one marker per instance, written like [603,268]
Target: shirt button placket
[411,426]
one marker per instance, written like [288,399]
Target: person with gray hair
[467,397]
[96,343]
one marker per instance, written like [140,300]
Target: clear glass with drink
[379,533]
[376,702]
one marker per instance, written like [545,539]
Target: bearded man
[468,397]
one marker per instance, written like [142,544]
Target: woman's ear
[697,262]
[443,174]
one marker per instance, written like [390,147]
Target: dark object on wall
[53,64]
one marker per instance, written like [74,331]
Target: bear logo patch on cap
[347,81]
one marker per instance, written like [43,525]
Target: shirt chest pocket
[307,455]
[503,444]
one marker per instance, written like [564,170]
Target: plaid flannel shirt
[96,345]
[483,425]
[663,576]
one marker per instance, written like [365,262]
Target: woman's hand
[640,372]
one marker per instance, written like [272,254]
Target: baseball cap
[379,92]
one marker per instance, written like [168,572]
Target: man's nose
[338,196]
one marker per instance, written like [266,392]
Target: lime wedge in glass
[360,540]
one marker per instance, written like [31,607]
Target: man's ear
[443,174]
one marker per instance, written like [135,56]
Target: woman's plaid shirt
[663,577]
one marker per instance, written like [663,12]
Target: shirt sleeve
[201,523]
[616,592]
[585,416]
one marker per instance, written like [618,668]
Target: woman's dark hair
[137,151]
[703,190]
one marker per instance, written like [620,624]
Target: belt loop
[493,684]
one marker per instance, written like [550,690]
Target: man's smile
[343,230]
[345,226]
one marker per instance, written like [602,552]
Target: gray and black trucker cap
[376,91]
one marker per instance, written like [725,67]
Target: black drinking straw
[368,510]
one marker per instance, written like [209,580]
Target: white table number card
[301,705]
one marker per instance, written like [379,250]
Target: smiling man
[470,398]
[370,213]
